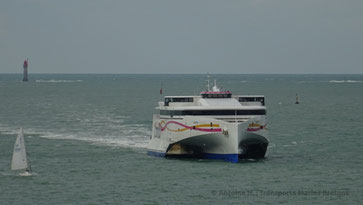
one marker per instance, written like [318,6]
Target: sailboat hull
[25,174]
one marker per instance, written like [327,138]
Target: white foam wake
[345,81]
[131,136]
[132,141]
[58,81]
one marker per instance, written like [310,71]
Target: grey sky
[182,36]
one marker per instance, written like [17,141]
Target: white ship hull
[205,137]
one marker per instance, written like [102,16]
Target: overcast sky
[182,36]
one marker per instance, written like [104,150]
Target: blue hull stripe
[226,157]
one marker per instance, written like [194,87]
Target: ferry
[214,125]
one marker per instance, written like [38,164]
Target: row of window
[218,95]
[252,99]
[168,100]
[212,112]
[241,99]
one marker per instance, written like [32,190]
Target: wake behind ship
[214,125]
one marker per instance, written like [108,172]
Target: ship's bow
[252,138]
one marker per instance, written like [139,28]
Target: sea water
[86,136]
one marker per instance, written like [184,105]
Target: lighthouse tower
[25,72]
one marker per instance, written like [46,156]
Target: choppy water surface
[86,138]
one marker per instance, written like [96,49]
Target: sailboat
[19,160]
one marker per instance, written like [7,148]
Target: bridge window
[212,112]
[252,99]
[169,100]
[216,95]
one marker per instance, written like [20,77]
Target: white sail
[19,160]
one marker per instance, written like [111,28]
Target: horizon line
[191,73]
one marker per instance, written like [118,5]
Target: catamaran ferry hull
[198,137]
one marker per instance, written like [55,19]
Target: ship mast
[208,80]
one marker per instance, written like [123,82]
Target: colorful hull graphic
[253,127]
[203,127]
